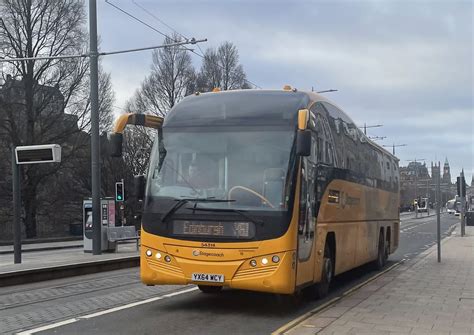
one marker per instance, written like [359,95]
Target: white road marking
[107,311]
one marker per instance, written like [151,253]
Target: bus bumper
[273,273]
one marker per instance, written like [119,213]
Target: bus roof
[267,106]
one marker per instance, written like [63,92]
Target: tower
[446,172]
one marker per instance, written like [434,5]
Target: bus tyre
[379,263]
[209,289]
[321,289]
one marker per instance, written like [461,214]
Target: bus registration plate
[213,278]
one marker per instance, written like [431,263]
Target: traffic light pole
[95,154]
[463,207]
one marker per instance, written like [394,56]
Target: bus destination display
[229,229]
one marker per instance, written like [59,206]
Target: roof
[265,103]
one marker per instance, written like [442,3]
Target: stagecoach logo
[197,253]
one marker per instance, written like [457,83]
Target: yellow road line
[293,323]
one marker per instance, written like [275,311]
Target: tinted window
[237,108]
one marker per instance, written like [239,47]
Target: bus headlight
[148,253]
[264,261]
[253,263]
[158,255]
[275,259]
[167,258]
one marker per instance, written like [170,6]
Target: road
[117,303]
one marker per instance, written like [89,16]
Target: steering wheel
[261,197]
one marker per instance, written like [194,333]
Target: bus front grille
[255,272]
[165,267]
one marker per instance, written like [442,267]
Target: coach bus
[264,190]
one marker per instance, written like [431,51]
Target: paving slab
[58,263]
[421,296]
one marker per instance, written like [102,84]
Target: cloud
[405,64]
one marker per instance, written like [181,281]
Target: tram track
[50,293]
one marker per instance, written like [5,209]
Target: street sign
[30,154]
[37,154]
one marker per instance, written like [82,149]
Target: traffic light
[119,191]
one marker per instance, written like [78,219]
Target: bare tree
[171,76]
[221,69]
[46,101]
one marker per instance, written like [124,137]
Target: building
[416,182]
[446,172]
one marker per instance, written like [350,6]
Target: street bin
[470,218]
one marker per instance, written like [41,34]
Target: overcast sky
[405,64]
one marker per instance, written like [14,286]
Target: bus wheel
[379,263]
[321,289]
[387,252]
[209,289]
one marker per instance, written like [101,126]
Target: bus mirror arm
[303,142]
[115,144]
[116,137]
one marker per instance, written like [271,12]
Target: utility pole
[463,203]
[95,153]
[365,126]
[395,145]
[438,209]
[94,98]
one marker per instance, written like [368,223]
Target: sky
[407,65]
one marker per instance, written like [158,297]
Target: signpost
[438,206]
[32,154]
[461,188]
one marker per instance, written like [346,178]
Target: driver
[202,173]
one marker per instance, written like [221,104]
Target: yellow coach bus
[263,190]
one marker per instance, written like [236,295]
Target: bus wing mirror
[115,144]
[303,142]
[139,187]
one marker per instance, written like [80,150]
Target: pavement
[8,249]
[53,260]
[420,296]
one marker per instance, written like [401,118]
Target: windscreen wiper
[232,210]
[181,202]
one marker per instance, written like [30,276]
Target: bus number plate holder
[208,277]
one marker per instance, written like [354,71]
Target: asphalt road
[100,304]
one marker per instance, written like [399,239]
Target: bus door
[306,223]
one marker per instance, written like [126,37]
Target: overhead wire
[162,22]
[163,34]
[181,35]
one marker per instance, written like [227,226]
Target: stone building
[446,172]
[416,181]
